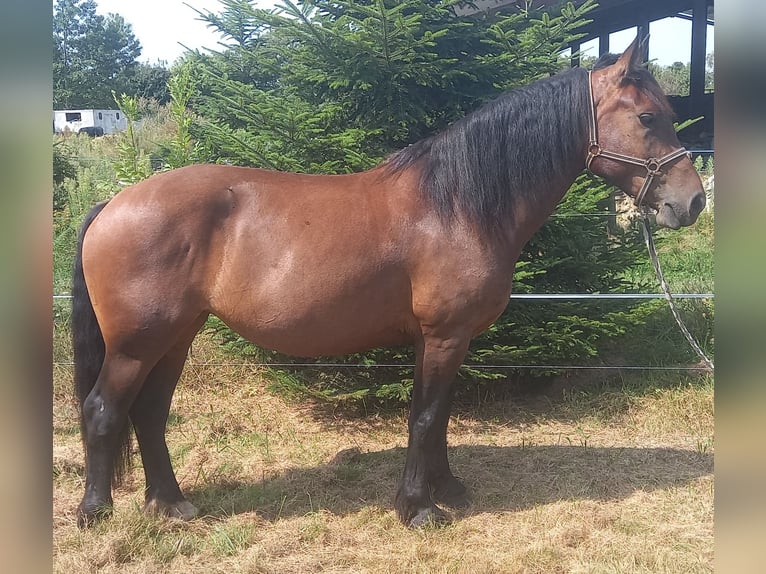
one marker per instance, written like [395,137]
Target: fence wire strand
[527,296]
[708,365]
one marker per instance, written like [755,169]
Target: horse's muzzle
[676,215]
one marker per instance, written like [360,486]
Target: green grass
[94,181]
[686,257]
[615,476]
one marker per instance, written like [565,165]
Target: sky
[164,27]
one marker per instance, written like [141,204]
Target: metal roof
[608,16]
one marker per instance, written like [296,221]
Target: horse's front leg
[426,472]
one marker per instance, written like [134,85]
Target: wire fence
[705,154]
[510,367]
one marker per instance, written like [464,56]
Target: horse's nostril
[697,204]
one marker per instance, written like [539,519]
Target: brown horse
[419,250]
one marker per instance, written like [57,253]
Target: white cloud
[164,26]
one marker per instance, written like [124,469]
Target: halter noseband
[652,165]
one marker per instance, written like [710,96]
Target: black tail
[89,351]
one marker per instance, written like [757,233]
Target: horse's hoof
[182,510]
[90,516]
[432,516]
[452,493]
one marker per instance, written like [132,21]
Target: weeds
[132,163]
[230,539]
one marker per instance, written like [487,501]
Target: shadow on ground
[499,478]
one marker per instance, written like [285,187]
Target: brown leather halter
[652,165]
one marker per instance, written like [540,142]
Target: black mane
[524,140]
[605,60]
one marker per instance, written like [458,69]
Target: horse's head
[633,143]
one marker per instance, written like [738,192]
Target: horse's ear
[631,58]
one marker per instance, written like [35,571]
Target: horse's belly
[333,317]
[320,335]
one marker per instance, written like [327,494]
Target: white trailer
[92,122]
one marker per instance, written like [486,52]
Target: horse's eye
[646,119]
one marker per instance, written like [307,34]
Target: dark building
[615,15]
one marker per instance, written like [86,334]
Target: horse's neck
[541,194]
[532,210]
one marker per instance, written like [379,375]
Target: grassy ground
[602,477]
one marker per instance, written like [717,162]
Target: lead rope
[666,290]
[653,168]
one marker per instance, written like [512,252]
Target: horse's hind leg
[104,420]
[149,415]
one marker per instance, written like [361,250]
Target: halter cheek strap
[652,165]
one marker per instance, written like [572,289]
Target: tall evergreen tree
[336,85]
[93,55]
[145,80]
[347,82]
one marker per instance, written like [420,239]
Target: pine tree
[334,86]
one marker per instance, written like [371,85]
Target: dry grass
[598,481]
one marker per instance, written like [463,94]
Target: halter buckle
[653,166]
